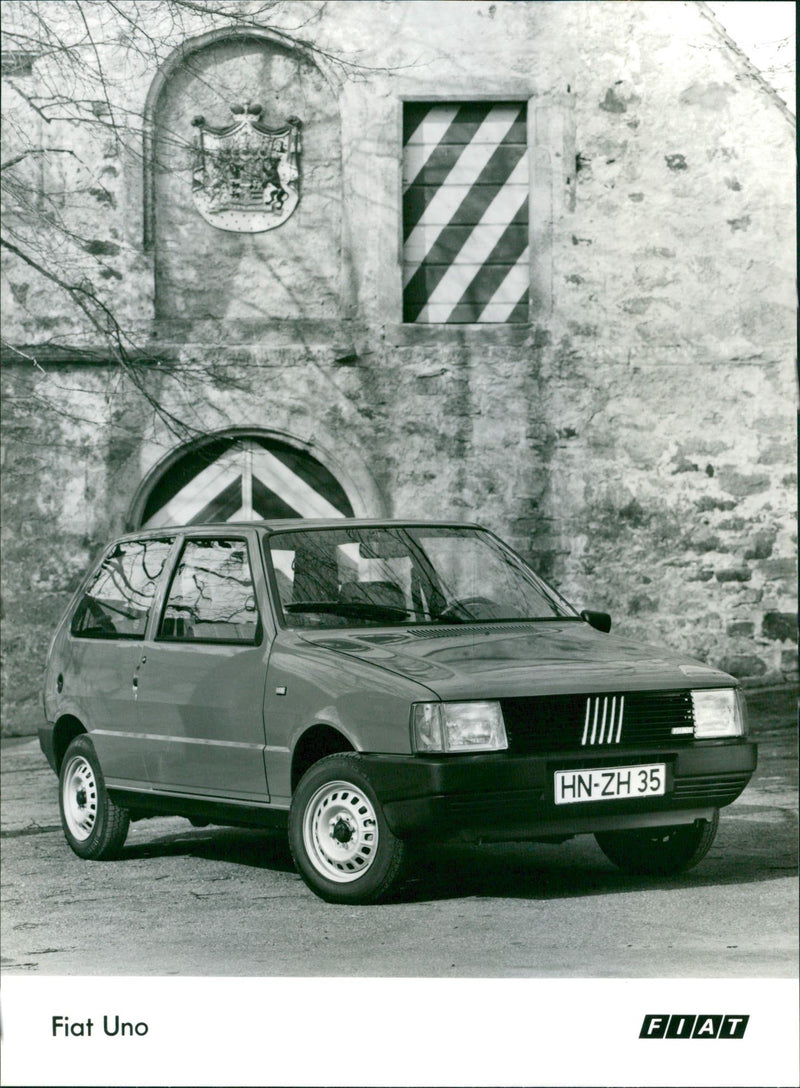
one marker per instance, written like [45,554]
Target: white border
[351,1031]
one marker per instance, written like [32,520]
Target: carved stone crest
[245,176]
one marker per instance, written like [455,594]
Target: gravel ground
[220,901]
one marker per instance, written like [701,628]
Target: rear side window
[117,601]
[211,596]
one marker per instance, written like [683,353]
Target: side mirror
[601,621]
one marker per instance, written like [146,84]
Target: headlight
[458,727]
[719,713]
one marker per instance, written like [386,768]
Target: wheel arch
[314,744]
[65,730]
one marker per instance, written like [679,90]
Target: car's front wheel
[93,825]
[659,851]
[341,843]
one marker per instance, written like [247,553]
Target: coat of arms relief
[245,176]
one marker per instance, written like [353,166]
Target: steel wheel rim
[80,798]
[340,832]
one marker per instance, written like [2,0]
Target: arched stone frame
[354,477]
[162,77]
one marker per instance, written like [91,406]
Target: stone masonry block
[779,626]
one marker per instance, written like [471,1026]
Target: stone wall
[636,440]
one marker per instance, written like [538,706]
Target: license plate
[609,783]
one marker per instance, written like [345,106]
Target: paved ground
[225,902]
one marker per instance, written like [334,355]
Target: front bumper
[496,797]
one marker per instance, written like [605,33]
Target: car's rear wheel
[93,825]
[341,843]
[659,850]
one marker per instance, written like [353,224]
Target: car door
[203,674]
[103,650]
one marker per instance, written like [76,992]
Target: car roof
[294,524]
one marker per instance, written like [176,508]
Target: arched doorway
[242,477]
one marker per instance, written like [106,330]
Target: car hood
[539,658]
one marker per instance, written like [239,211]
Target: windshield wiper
[354,609]
[455,621]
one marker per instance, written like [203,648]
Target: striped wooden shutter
[465,213]
[244,479]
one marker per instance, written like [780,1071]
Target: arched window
[243,477]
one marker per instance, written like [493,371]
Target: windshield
[405,575]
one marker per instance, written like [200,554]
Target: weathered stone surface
[779,568]
[734,574]
[710,96]
[641,602]
[705,541]
[709,503]
[780,626]
[704,575]
[743,665]
[642,425]
[776,453]
[742,484]
[761,544]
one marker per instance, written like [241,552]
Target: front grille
[494,806]
[719,789]
[601,722]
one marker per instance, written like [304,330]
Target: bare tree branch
[78,97]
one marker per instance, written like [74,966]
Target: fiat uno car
[366,685]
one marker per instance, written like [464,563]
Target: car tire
[340,841]
[659,851]
[93,825]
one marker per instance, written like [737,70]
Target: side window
[211,597]
[117,601]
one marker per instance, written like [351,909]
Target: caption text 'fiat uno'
[370,684]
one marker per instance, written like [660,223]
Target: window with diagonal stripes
[465,213]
